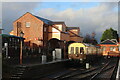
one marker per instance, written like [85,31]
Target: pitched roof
[7,35]
[114,40]
[60,22]
[70,28]
[74,34]
[44,20]
[109,41]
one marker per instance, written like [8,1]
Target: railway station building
[110,47]
[44,33]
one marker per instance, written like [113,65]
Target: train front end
[76,52]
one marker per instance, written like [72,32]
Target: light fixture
[21,34]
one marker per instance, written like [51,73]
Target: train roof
[85,44]
[88,44]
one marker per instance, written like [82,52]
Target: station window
[72,50]
[45,29]
[103,48]
[27,24]
[111,48]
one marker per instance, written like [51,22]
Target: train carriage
[76,51]
[83,51]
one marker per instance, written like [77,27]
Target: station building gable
[112,41]
[108,46]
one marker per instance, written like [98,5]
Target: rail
[110,67]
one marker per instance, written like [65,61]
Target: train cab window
[77,50]
[81,50]
[72,50]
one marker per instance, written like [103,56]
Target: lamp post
[21,35]
[64,49]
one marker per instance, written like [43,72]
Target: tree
[90,39]
[109,34]
[87,38]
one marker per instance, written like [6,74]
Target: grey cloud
[12,11]
[92,19]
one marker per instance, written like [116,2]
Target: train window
[90,50]
[87,50]
[81,50]
[77,50]
[72,50]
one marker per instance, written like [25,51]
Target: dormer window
[27,24]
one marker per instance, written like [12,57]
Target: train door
[81,50]
[119,47]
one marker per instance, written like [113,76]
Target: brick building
[39,31]
[109,46]
[74,34]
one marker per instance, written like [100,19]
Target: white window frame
[27,24]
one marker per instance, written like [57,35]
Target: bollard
[44,58]
[53,54]
[58,54]
[87,66]
[39,51]
[6,46]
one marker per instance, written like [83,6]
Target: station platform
[44,63]
[118,71]
[38,70]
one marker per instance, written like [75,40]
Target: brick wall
[31,33]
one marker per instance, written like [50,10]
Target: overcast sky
[89,16]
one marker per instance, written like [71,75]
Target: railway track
[70,73]
[104,71]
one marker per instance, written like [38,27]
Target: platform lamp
[64,49]
[21,35]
